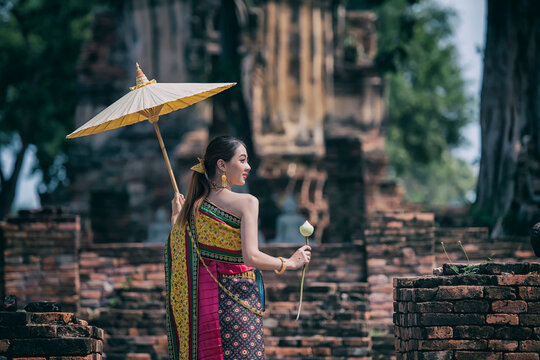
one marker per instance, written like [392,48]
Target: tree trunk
[509,112]
[9,186]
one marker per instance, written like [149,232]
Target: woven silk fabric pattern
[178,309]
[219,239]
[213,229]
[241,330]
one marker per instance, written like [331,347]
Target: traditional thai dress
[214,301]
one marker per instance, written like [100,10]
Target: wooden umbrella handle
[173,180]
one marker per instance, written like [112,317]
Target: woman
[215,300]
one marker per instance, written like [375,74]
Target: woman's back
[231,202]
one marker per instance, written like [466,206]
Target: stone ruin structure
[491,314]
[48,336]
[309,105]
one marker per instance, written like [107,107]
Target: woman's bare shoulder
[244,203]
[244,199]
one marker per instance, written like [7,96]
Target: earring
[224,180]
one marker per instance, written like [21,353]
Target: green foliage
[126,285]
[427,103]
[40,45]
[468,269]
[39,49]
[377,332]
[448,182]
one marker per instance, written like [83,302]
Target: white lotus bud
[306,229]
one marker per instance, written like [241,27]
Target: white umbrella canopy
[147,101]
[154,99]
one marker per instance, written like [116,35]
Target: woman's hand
[177,203]
[301,257]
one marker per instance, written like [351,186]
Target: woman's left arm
[250,245]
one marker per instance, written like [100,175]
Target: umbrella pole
[173,180]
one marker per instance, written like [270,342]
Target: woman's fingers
[177,202]
[306,252]
[178,197]
[181,199]
[302,256]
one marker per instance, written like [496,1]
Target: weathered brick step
[120,321]
[479,248]
[317,341]
[136,343]
[496,253]
[467,234]
[24,334]
[318,347]
[49,331]
[333,301]
[309,327]
[139,305]
[400,220]
[54,347]
[278,313]
[22,318]
[384,342]
[318,287]
[345,275]
[320,315]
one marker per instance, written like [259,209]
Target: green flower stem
[448,257]
[302,285]
[462,248]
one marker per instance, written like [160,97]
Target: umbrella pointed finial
[140,78]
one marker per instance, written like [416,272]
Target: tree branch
[7,193]
[18,164]
[2,178]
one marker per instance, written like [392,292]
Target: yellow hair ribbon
[199,167]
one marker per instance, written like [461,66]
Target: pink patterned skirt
[226,329]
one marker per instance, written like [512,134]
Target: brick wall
[120,287]
[479,247]
[409,244]
[41,257]
[481,316]
[48,336]
[333,322]
[123,292]
[398,244]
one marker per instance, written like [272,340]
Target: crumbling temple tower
[305,77]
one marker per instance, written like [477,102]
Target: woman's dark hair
[221,147]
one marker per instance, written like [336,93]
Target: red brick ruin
[48,336]
[494,314]
[348,296]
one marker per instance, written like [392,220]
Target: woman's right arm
[250,245]
[177,203]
